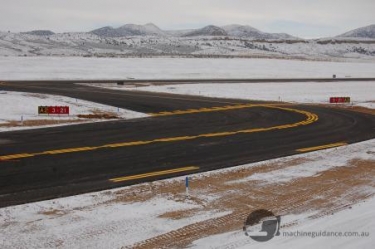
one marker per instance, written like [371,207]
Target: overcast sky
[304,18]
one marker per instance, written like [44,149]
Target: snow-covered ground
[124,216]
[361,93]
[360,218]
[22,68]
[18,106]
[104,226]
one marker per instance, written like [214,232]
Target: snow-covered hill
[150,29]
[129,30]
[365,32]
[250,32]
[210,30]
[148,40]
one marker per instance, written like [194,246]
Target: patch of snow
[316,162]
[35,68]
[103,226]
[370,105]
[304,92]
[19,106]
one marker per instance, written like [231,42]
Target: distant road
[193,81]
[184,135]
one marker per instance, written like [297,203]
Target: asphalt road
[47,163]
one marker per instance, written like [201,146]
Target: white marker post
[187,186]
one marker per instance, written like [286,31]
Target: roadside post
[187,186]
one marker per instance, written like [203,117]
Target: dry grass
[53,212]
[97,114]
[41,122]
[180,214]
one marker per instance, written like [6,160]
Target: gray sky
[304,18]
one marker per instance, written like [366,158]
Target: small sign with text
[57,110]
[339,100]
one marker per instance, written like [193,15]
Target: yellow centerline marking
[156,173]
[310,118]
[204,109]
[62,151]
[15,156]
[321,147]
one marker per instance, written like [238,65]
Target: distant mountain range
[148,40]
[235,30]
[151,29]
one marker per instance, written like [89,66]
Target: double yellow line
[310,118]
[157,173]
[205,109]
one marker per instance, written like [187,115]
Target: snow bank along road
[185,134]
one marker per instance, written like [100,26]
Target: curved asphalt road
[47,163]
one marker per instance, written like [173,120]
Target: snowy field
[22,68]
[18,106]
[361,93]
[129,215]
